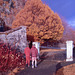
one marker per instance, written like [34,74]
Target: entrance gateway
[69,50]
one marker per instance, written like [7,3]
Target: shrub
[9,58]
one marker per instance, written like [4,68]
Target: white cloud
[72,22]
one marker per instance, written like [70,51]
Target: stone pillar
[69,51]
[37,45]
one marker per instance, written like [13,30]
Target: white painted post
[37,45]
[69,51]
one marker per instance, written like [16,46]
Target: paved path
[44,68]
[49,63]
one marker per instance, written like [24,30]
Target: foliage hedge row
[9,58]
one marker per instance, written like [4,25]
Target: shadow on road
[43,57]
[58,66]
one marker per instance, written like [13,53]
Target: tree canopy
[69,32]
[41,21]
[9,9]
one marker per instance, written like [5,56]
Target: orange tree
[41,21]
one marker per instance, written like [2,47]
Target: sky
[65,8]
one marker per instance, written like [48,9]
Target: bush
[9,58]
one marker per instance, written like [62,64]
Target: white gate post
[37,45]
[69,51]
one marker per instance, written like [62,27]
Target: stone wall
[15,37]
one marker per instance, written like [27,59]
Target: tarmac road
[48,64]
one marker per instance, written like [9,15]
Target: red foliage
[10,59]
